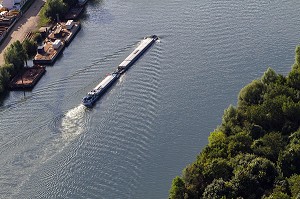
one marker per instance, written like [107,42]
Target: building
[13,4]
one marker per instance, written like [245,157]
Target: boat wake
[72,125]
[73,122]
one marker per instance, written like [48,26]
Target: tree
[294,182]
[53,8]
[251,94]
[218,189]
[30,47]
[269,146]
[293,78]
[255,178]
[178,188]
[15,55]
[289,159]
[217,168]
[194,180]
[256,131]
[4,77]
[296,65]
[231,121]
[216,138]
[278,195]
[269,77]
[239,143]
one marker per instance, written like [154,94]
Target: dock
[27,78]
[49,52]
[65,31]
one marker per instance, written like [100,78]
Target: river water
[157,117]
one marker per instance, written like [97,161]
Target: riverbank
[25,24]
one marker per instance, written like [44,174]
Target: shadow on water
[3,97]
[95,2]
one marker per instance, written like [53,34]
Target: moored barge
[27,78]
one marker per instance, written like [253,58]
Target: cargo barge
[135,55]
[100,89]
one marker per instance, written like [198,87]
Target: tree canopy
[53,9]
[255,152]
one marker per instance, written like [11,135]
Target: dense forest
[255,152]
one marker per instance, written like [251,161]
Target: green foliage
[37,37]
[16,55]
[294,182]
[217,168]
[178,189]
[216,138]
[269,146]
[289,159]
[296,65]
[281,190]
[194,181]
[255,152]
[278,195]
[14,58]
[52,8]
[4,76]
[269,77]
[44,20]
[30,47]
[293,79]
[253,179]
[218,189]
[256,131]
[239,143]
[251,94]
[231,121]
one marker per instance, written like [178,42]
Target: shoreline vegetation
[255,152]
[17,54]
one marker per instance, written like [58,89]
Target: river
[157,117]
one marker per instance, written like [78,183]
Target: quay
[27,78]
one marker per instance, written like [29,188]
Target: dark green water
[157,117]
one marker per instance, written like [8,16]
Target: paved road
[28,22]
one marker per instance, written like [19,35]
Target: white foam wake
[72,124]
